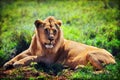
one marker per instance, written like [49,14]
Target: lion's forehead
[50,24]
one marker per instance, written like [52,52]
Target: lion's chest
[47,59]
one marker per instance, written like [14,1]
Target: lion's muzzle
[49,45]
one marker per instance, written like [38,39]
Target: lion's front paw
[8,65]
[18,64]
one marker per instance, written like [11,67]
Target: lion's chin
[49,46]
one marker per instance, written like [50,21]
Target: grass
[83,21]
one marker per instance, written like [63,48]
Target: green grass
[111,72]
[85,21]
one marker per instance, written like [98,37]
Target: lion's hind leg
[94,61]
[100,58]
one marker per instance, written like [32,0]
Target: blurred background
[92,22]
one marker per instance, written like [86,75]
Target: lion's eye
[54,31]
[46,30]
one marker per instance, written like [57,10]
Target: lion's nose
[51,38]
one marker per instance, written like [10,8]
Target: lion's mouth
[49,45]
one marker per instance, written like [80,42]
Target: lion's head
[48,31]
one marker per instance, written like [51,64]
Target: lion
[49,46]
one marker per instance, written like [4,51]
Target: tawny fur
[65,52]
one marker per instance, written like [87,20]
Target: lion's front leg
[16,58]
[25,61]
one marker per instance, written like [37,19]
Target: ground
[36,71]
[58,72]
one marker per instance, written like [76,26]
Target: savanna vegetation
[95,23]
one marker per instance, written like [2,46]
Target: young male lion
[49,46]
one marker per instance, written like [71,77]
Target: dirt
[31,72]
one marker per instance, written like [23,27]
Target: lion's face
[48,31]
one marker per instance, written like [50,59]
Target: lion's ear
[59,22]
[38,23]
